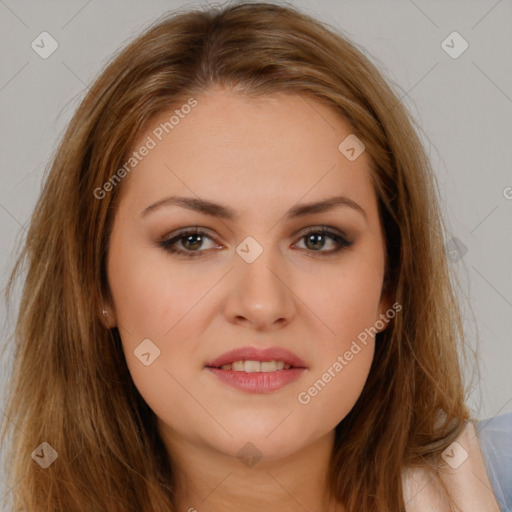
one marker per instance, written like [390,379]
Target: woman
[237,295]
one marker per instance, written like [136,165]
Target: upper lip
[258,354]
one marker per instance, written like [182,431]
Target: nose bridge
[260,293]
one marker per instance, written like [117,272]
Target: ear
[384,309]
[107,315]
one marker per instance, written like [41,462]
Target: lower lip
[258,382]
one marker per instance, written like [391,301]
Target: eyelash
[169,245]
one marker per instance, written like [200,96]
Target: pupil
[191,237]
[315,237]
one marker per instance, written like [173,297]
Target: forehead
[243,149]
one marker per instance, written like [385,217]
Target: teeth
[256,366]
[252,366]
[268,366]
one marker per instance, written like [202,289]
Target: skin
[260,158]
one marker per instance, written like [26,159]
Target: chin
[266,441]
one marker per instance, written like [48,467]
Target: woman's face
[259,276]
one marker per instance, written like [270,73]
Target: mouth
[255,370]
[253,360]
[253,366]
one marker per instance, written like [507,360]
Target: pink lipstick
[255,370]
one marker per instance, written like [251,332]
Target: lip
[257,382]
[258,354]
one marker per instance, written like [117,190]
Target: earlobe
[106,317]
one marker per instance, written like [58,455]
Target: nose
[261,294]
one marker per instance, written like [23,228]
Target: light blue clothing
[495,436]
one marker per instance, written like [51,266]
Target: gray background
[464,106]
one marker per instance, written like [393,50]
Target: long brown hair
[70,386]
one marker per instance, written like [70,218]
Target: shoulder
[495,435]
[465,476]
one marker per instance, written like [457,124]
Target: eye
[315,239]
[192,239]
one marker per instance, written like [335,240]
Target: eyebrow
[225,212]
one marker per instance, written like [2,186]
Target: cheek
[348,313]
[335,385]
[345,300]
[343,360]
[157,301]
[151,294]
